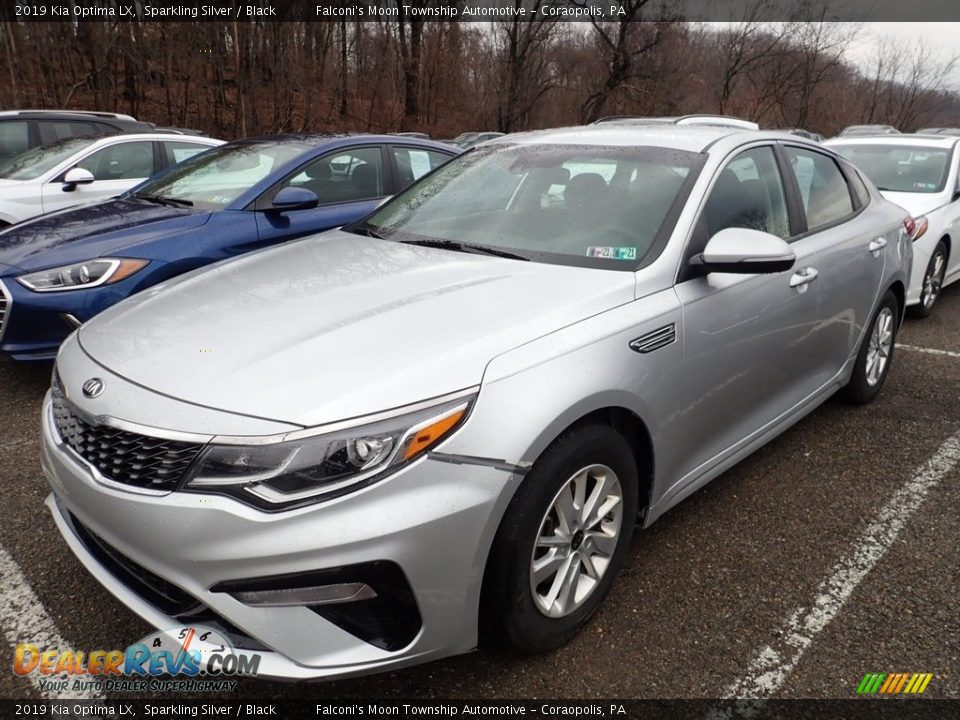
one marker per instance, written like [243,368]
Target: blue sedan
[59,270]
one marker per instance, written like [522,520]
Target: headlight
[288,474]
[93,273]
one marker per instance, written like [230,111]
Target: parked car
[868,130]
[416,135]
[817,137]
[467,140]
[58,271]
[919,173]
[367,445]
[84,170]
[698,119]
[939,131]
[21,130]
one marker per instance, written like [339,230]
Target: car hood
[338,326]
[88,231]
[915,203]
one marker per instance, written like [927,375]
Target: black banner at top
[476,10]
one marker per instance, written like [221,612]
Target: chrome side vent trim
[661,337]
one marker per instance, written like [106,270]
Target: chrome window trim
[9,308]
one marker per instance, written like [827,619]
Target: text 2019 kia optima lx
[372,447]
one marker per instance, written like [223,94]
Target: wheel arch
[632,427]
[900,292]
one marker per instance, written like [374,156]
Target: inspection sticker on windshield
[613,253]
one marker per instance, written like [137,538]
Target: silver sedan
[390,442]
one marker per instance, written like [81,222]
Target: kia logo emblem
[93,387]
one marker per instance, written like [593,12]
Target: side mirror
[294,198]
[76,176]
[745,252]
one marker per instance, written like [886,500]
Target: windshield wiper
[170,202]
[466,248]
[366,231]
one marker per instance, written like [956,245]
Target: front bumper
[434,520]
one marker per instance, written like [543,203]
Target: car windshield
[900,168]
[33,163]
[575,205]
[214,179]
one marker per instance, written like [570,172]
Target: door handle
[803,277]
[877,245]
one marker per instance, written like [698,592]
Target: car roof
[67,114]
[692,138]
[901,139]
[343,139]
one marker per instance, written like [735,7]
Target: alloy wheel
[881,345]
[933,281]
[576,541]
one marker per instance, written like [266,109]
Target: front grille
[124,457]
[4,308]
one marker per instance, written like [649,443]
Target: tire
[513,612]
[867,378]
[932,282]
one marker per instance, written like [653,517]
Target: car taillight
[910,226]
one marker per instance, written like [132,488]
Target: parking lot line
[24,619]
[928,351]
[772,665]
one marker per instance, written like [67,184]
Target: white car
[920,174]
[82,170]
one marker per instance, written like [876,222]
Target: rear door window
[413,163]
[178,151]
[823,189]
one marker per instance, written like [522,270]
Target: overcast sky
[944,37]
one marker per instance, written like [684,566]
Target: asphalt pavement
[782,577]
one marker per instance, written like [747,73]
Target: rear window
[900,168]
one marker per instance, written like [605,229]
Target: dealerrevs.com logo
[196,658]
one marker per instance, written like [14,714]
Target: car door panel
[746,339]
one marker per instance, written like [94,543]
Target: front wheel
[876,353]
[562,541]
[932,282]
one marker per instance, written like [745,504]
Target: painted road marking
[928,351]
[772,665]
[24,619]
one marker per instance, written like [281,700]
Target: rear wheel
[932,282]
[562,541]
[876,353]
